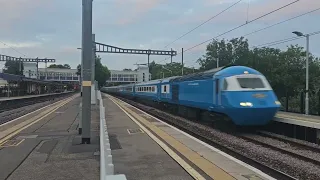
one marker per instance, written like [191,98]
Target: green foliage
[284,69]
[64,66]
[102,72]
[159,71]
[13,67]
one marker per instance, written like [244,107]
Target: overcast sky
[52,28]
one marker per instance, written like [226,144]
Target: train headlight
[249,104]
[277,102]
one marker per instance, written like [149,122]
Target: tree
[64,66]
[102,72]
[158,71]
[13,67]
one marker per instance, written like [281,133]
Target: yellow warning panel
[10,143]
[86,83]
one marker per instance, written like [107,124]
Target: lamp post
[307,70]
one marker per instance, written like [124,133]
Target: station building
[141,74]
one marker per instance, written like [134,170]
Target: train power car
[239,94]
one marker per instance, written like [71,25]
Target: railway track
[205,136]
[296,142]
[9,113]
[296,150]
[10,105]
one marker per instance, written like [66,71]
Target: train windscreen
[251,83]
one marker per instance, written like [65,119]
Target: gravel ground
[286,146]
[287,164]
[306,143]
[15,113]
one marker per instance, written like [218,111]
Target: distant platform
[298,119]
[30,96]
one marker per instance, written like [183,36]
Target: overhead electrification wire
[242,25]
[204,22]
[13,49]
[273,43]
[295,17]
[237,27]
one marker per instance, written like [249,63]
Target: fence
[106,165]
[296,103]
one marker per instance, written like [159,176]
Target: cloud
[69,49]
[134,9]
[188,12]
[6,45]
[13,10]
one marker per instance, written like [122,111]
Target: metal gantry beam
[104,48]
[10,58]
[113,49]
[20,59]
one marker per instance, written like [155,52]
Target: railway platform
[299,126]
[45,144]
[143,147]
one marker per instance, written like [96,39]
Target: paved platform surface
[135,154]
[298,119]
[208,162]
[51,149]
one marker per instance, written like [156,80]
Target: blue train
[239,94]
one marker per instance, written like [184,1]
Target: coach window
[153,89]
[144,89]
[165,88]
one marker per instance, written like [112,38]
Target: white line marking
[209,146]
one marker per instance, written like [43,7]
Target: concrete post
[93,63]
[80,119]
[87,58]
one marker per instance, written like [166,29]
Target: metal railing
[106,165]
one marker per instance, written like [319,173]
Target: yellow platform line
[33,120]
[206,166]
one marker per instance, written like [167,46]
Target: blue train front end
[248,99]
[251,107]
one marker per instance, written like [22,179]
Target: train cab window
[225,85]
[153,89]
[251,83]
[217,86]
[165,88]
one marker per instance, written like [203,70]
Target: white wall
[30,70]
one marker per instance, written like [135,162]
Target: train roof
[200,75]
[169,78]
[149,82]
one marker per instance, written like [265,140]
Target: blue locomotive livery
[241,94]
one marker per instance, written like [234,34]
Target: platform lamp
[307,70]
